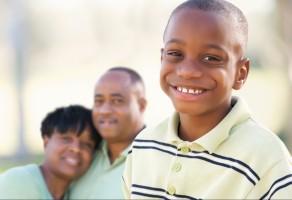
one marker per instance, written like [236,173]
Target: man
[119,105]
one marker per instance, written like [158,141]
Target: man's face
[117,113]
[68,155]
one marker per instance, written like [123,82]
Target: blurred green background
[52,52]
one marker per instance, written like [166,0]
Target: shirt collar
[239,113]
[104,145]
[172,128]
[211,140]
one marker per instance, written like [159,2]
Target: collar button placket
[185,150]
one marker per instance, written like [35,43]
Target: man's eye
[117,101]
[97,101]
[174,53]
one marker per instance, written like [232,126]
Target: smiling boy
[211,147]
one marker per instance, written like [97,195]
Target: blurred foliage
[6,163]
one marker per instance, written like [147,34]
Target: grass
[6,163]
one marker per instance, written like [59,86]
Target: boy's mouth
[190,91]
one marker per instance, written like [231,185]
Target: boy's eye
[211,58]
[174,53]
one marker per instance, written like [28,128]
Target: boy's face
[201,62]
[67,155]
[118,107]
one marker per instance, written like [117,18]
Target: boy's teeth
[189,91]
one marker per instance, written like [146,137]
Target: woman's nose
[75,146]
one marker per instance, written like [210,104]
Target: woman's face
[67,155]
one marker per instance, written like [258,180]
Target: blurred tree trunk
[284,13]
[18,40]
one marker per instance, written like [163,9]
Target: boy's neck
[192,127]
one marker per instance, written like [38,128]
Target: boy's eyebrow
[174,40]
[211,46]
[214,46]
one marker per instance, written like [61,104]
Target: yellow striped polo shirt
[238,159]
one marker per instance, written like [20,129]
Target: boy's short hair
[74,118]
[222,8]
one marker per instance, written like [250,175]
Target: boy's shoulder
[162,129]
[254,141]
[254,133]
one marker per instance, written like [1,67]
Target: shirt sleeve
[19,183]
[11,186]
[276,183]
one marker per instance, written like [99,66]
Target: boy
[69,140]
[210,148]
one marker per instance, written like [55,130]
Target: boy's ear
[241,74]
[161,53]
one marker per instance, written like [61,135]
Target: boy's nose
[189,69]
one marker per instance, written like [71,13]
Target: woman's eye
[88,145]
[66,138]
